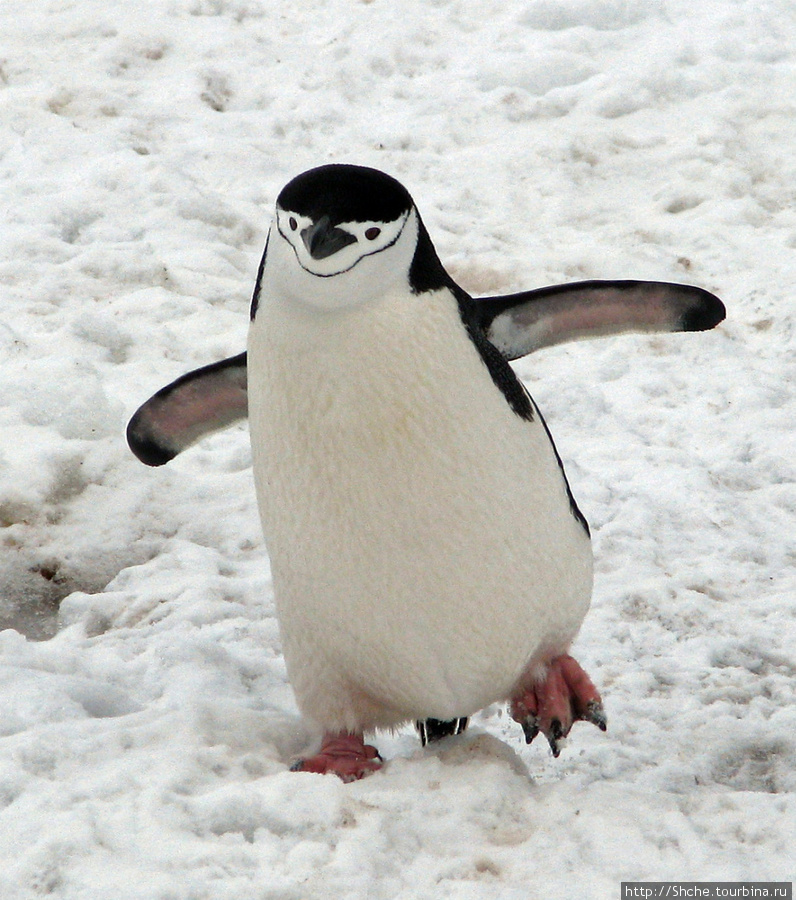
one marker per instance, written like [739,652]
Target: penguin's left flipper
[519,324]
[188,409]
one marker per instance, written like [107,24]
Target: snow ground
[146,726]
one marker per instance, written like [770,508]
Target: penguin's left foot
[343,754]
[565,696]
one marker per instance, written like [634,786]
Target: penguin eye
[372,233]
[292,223]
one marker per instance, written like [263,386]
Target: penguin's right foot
[343,754]
[564,696]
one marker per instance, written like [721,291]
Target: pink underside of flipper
[345,755]
[552,705]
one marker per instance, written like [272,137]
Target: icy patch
[763,764]
[539,74]
[557,15]
[65,395]
[284,805]
[31,698]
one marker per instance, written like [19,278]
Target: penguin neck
[289,326]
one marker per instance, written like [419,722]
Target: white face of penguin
[340,247]
[331,267]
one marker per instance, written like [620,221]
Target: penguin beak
[322,239]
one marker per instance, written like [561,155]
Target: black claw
[530,728]
[297,766]
[556,733]
[596,715]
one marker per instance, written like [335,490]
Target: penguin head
[342,235]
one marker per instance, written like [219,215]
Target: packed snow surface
[146,723]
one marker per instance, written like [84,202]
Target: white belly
[422,546]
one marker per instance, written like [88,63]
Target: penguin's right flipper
[189,408]
[519,324]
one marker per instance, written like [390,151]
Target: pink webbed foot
[345,755]
[551,706]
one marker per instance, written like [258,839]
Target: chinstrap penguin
[428,556]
